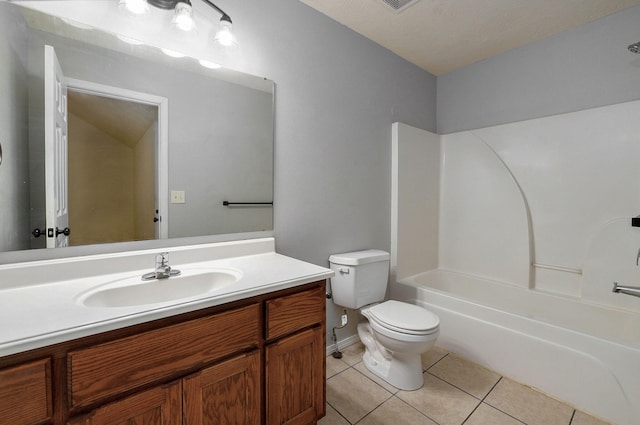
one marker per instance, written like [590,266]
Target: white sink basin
[133,291]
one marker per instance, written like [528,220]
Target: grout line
[494,407]
[365,376]
[471,414]
[416,409]
[338,412]
[455,386]
[482,401]
[492,388]
[374,409]
[442,358]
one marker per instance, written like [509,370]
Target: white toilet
[394,333]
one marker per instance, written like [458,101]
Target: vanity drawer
[25,394]
[292,312]
[124,364]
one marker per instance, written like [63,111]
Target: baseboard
[343,343]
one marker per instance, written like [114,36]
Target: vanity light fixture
[134,7]
[183,16]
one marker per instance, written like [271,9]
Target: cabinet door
[295,372]
[157,406]
[25,394]
[225,394]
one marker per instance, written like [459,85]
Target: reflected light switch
[177,197]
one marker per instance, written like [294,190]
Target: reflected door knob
[66,231]
[38,232]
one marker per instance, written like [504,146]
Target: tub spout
[624,289]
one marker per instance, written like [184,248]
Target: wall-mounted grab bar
[227,203]
[628,290]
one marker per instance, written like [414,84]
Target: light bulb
[135,7]
[225,36]
[183,17]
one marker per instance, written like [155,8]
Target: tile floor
[456,392]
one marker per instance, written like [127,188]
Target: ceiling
[123,120]
[443,35]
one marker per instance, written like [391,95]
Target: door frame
[162,154]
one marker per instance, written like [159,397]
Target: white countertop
[40,314]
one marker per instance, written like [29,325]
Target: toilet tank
[361,277]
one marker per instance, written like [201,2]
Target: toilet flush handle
[344,270]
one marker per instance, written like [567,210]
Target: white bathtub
[585,354]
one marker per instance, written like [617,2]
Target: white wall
[576,171]
[484,227]
[415,200]
[556,193]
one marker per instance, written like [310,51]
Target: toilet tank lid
[356,258]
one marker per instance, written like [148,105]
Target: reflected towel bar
[628,290]
[227,203]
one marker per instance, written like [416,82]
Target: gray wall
[14,169]
[585,67]
[337,95]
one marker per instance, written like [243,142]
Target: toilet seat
[402,318]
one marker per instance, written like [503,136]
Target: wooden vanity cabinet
[25,394]
[295,358]
[111,368]
[158,406]
[227,393]
[254,361]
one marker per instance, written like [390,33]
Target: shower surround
[537,216]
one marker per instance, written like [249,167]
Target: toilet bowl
[395,334]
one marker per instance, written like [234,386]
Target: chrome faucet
[628,290]
[162,270]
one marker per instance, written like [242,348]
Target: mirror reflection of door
[56,133]
[112,169]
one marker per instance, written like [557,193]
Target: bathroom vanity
[253,353]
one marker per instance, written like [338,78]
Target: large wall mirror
[158,148]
